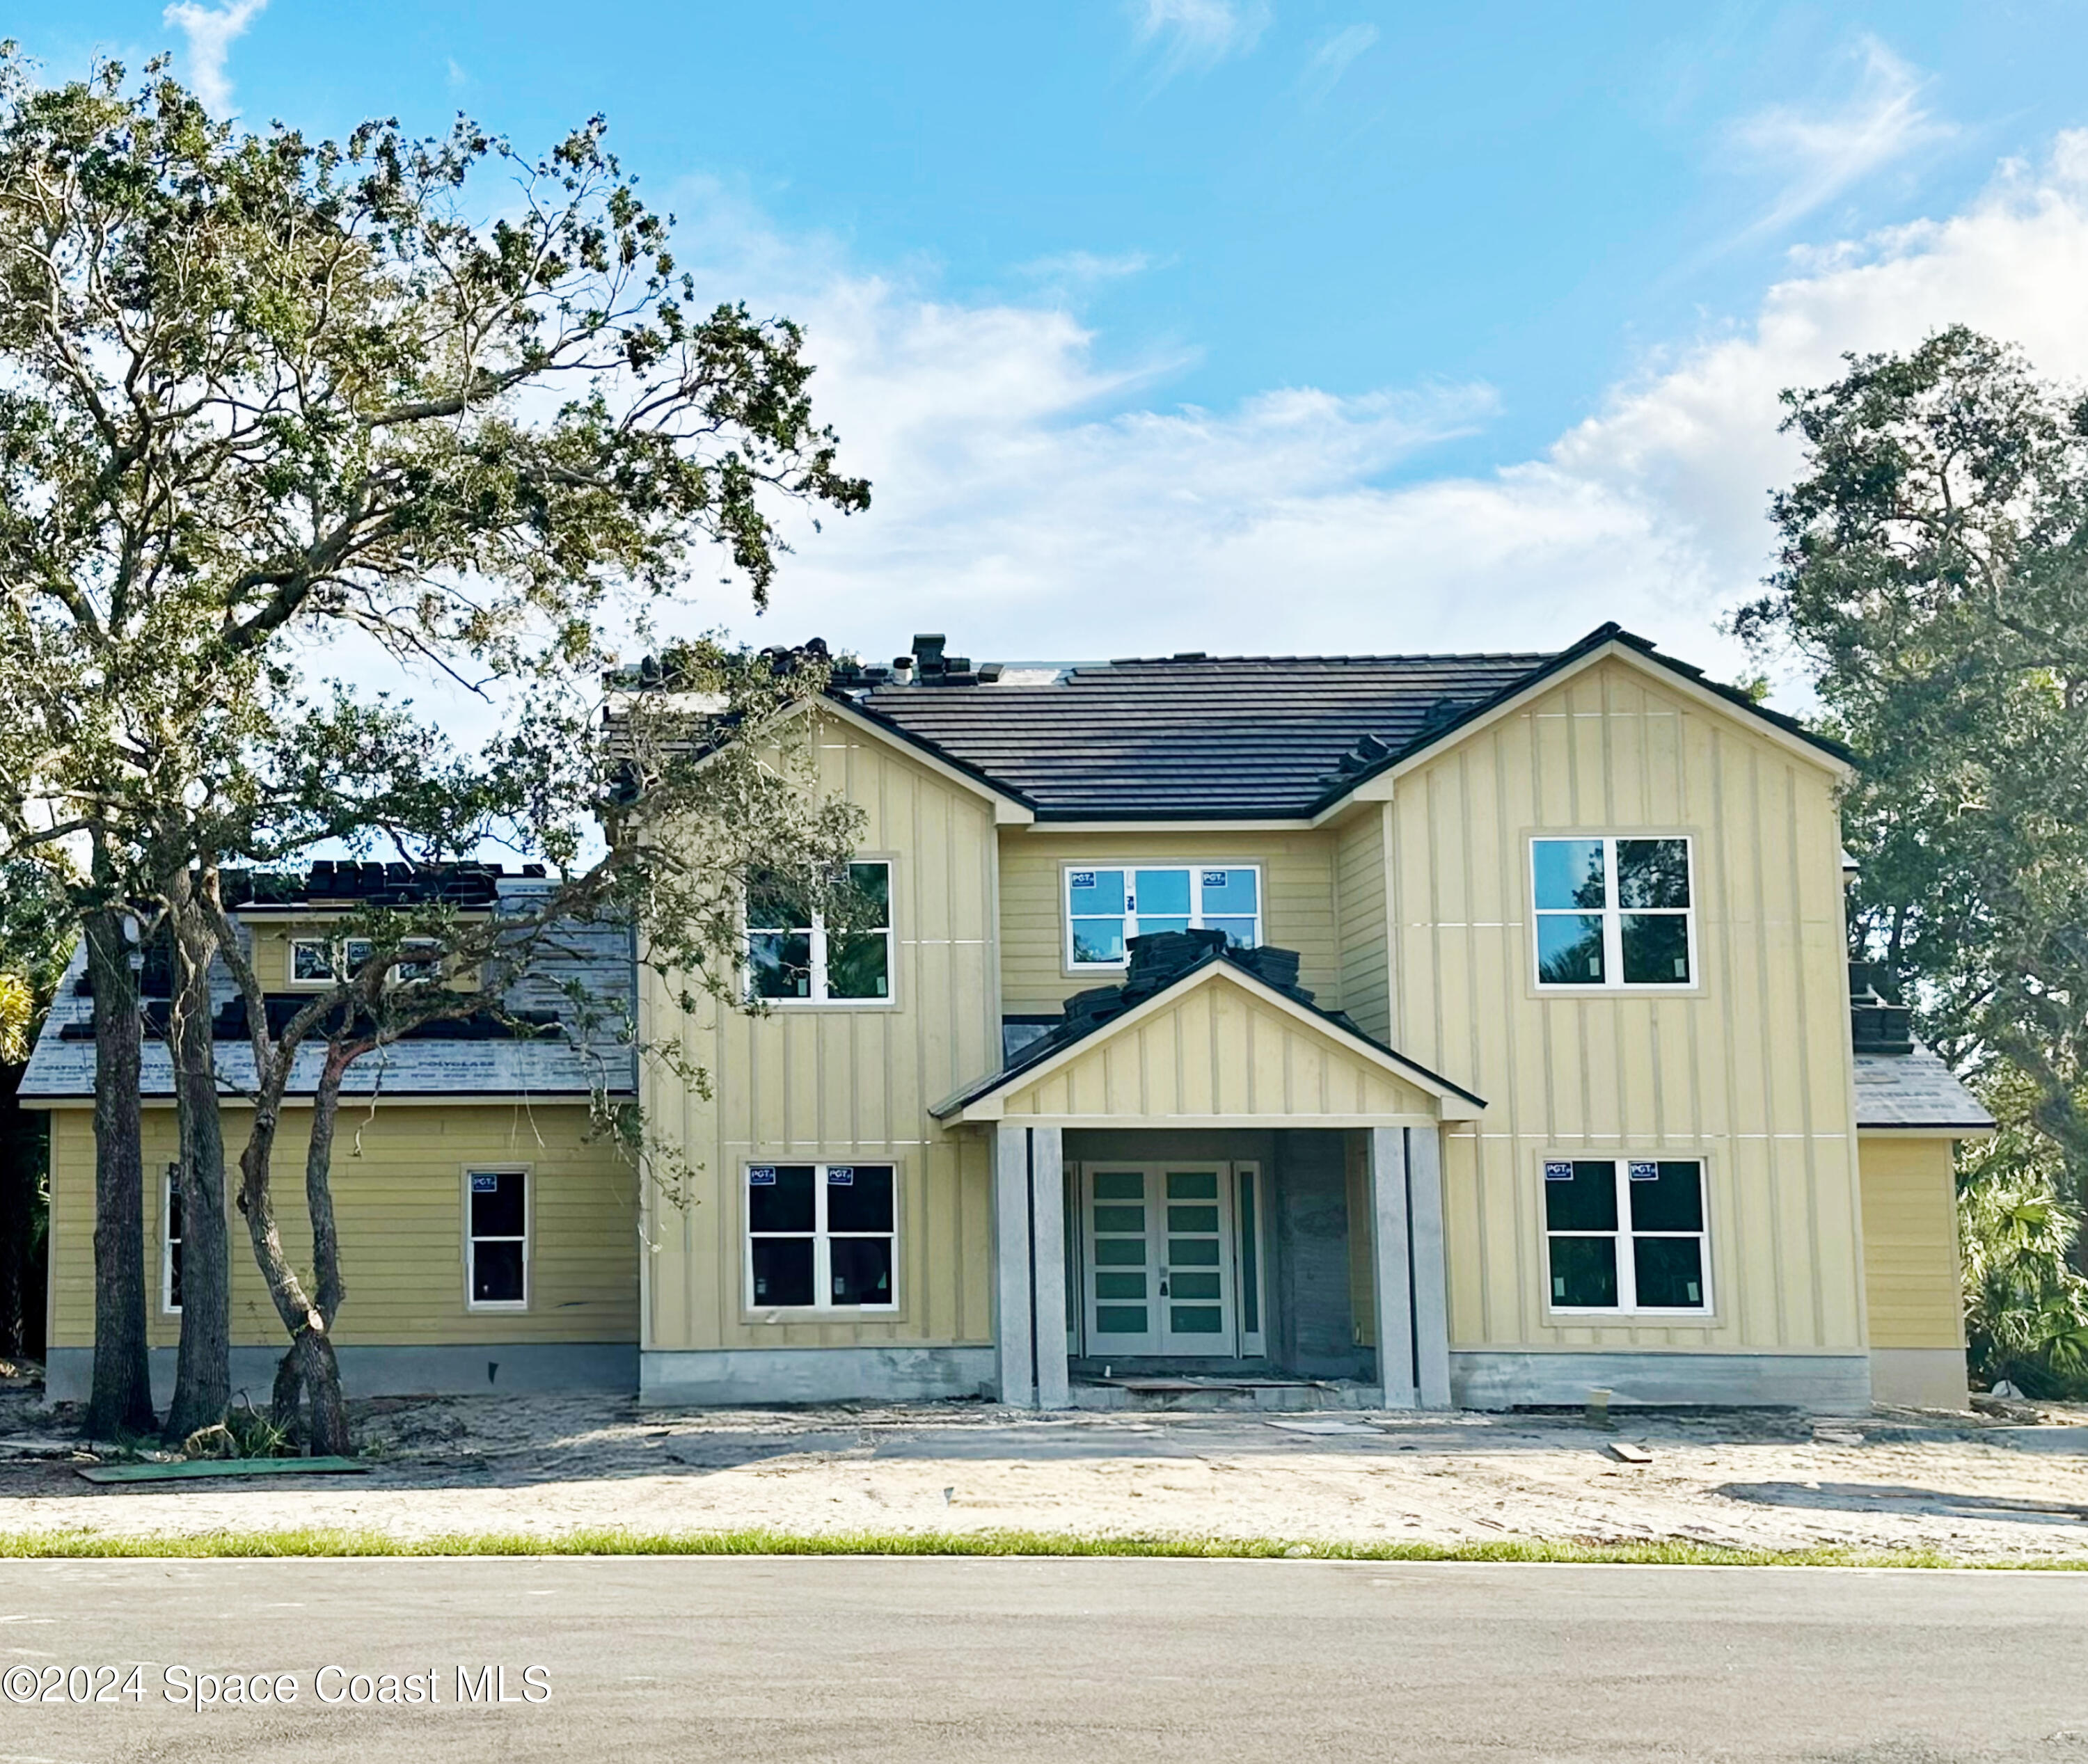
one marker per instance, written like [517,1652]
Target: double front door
[1170,1259]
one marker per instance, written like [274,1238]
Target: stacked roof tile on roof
[1236,736]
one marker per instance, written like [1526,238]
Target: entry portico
[1217,1171]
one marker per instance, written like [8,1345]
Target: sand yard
[1966,1485]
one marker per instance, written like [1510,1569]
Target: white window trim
[1127,866]
[528,1174]
[1612,916]
[817,933]
[170,1191]
[822,1267]
[1623,1236]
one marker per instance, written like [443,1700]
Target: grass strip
[296,1542]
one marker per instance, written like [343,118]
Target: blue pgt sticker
[761,1175]
[840,1175]
[1558,1170]
[485,1185]
[1644,1170]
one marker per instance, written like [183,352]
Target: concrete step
[1159,1392]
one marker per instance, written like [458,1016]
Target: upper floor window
[791,954]
[1106,907]
[321,961]
[1614,913]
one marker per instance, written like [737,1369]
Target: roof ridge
[1497,655]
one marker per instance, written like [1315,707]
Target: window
[318,961]
[1105,909]
[1626,1234]
[820,1236]
[170,1243]
[1613,912]
[496,1240]
[791,954]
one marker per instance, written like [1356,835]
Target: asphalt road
[751,1659]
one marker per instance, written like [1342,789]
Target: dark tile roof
[1237,737]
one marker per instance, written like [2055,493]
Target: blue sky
[1273,324]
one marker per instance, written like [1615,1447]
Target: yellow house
[1452,1029]
[1412,1030]
[489,1236]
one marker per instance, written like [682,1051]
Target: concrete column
[1013,1320]
[1047,1216]
[1391,1265]
[1431,1302]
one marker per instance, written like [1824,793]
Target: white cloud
[1084,269]
[210,31]
[1325,66]
[1194,35]
[1821,154]
[1020,506]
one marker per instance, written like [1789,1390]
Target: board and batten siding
[1910,1261]
[1217,1052]
[1297,880]
[845,1082]
[1750,1070]
[399,1203]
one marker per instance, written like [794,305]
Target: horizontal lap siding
[1297,876]
[398,1189]
[1365,990]
[848,1084]
[1911,1265]
[1751,1072]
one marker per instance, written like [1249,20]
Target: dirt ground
[1975,1486]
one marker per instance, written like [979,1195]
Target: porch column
[1047,1216]
[1014,1323]
[1431,1304]
[1392,1267]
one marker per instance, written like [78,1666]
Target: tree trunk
[203,1376]
[303,1370]
[311,1348]
[122,1401]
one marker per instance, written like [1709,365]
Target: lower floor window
[821,1236]
[170,1243]
[1626,1234]
[498,1241]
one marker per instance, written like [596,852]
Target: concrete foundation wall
[1920,1377]
[1837,1383]
[724,1376]
[464,1369]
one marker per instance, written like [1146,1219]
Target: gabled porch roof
[1217,1045]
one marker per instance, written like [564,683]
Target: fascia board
[1162,824]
